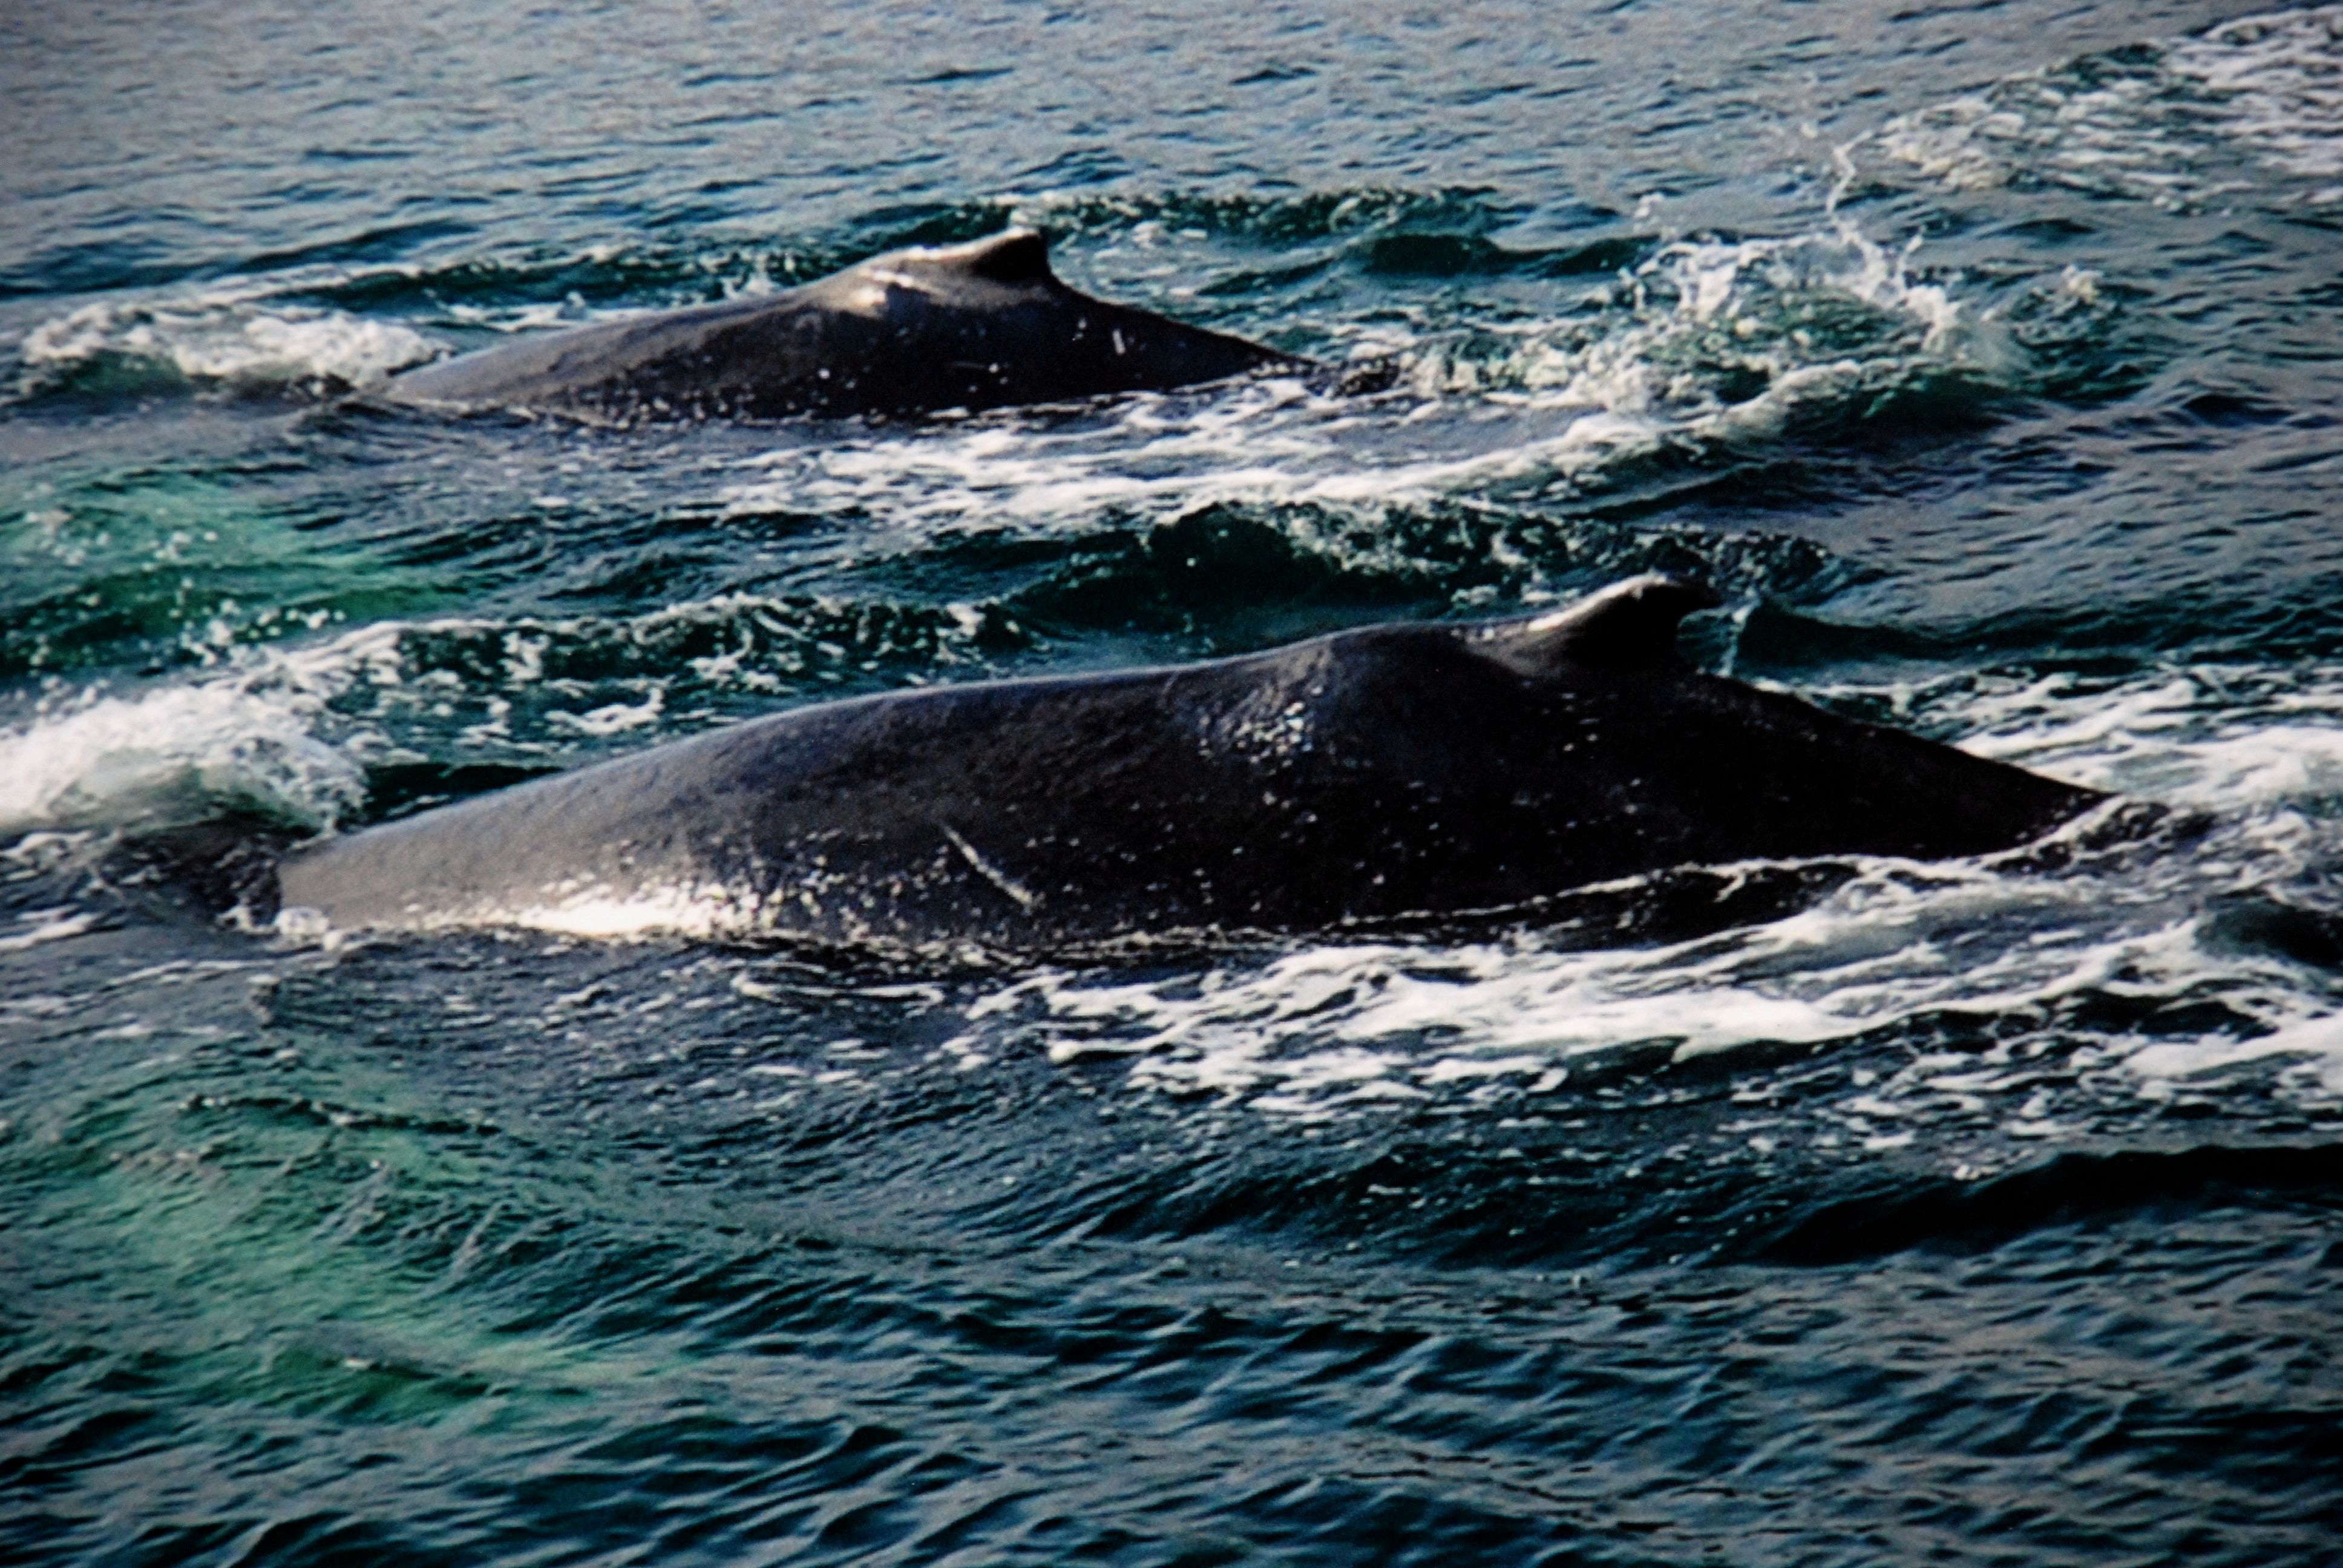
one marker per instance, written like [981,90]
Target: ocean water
[1987,356]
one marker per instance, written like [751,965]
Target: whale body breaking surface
[985,325]
[1370,775]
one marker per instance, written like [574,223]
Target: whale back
[1375,774]
[978,325]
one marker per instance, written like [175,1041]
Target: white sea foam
[175,753]
[2279,78]
[36,927]
[2186,123]
[2220,738]
[288,729]
[236,337]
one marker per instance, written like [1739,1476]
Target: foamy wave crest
[2213,737]
[2280,81]
[224,340]
[2177,125]
[290,731]
[179,754]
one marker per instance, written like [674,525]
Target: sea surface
[1987,356]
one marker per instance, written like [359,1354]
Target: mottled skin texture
[979,325]
[1382,773]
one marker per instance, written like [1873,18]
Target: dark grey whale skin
[979,325]
[1371,775]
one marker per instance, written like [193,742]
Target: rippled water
[1986,357]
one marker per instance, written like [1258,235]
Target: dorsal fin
[1627,625]
[1012,256]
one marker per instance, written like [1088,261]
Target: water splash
[182,753]
[241,339]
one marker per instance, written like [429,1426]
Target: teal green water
[1985,357]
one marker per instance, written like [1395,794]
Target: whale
[985,325]
[1369,776]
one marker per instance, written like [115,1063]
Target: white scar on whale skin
[1025,897]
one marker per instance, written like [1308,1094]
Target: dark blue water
[1989,359]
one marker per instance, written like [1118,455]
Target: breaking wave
[235,341]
